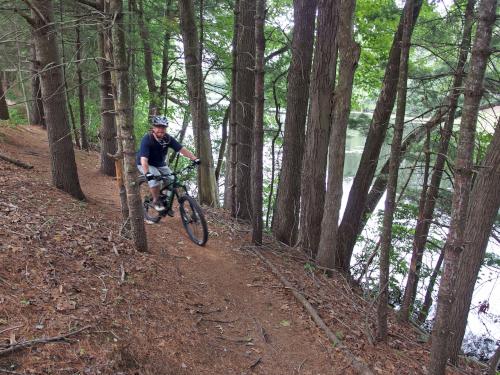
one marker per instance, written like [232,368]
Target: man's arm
[145,164]
[185,152]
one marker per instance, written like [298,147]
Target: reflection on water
[486,288]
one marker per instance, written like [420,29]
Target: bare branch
[276,53]
[37,11]
[89,3]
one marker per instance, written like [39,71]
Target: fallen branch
[16,162]
[4,370]
[359,365]
[218,321]
[243,340]
[10,328]
[256,362]
[26,344]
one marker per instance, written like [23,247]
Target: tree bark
[392,183]
[318,127]
[36,112]
[348,228]
[258,128]
[107,131]
[62,155]
[286,214]
[123,120]
[81,94]
[76,135]
[155,99]
[245,85]
[455,241]
[429,198]
[349,52]
[165,58]
[207,188]
[483,208]
[4,109]
[230,176]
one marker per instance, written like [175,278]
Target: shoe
[149,221]
[159,206]
[171,213]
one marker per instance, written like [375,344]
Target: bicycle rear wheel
[151,216]
[193,220]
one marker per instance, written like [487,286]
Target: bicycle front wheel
[193,220]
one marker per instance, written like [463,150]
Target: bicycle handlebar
[192,165]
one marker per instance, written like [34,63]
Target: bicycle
[190,211]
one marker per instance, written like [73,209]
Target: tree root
[16,162]
[357,363]
[26,344]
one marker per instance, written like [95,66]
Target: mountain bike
[171,188]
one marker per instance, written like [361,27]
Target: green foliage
[309,267]
[375,23]
[17,116]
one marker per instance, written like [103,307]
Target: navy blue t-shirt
[156,151]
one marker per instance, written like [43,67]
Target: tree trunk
[76,136]
[207,188]
[286,214]
[62,155]
[494,361]
[20,72]
[349,52]
[426,306]
[258,128]
[483,208]
[155,100]
[4,109]
[123,120]
[230,176]
[429,198]
[81,95]
[277,114]
[165,59]
[223,143]
[348,229]
[318,127]
[36,112]
[245,91]
[392,183]
[379,186]
[107,132]
[455,241]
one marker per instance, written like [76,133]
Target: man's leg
[154,187]
[165,171]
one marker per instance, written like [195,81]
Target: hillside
[178,309]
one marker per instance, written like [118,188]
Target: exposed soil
[178,309]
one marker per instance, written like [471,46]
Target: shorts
[160,171]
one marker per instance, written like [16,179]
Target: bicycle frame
[172,186]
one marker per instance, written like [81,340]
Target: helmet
[159,121]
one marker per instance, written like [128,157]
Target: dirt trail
[187,309]
[178,309]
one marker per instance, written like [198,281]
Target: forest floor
[178,309]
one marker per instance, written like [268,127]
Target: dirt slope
[179,309]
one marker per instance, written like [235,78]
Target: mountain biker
[152,153]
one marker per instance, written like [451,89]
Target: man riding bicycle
[152,154]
